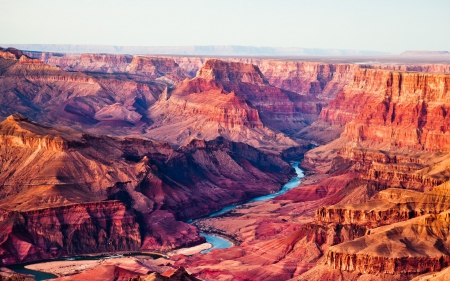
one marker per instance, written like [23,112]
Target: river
[40,275]
[288,186]
[217,241]
[222,243]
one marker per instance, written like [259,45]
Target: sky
[379,25]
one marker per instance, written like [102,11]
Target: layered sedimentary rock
[415,246]
[429,68]
[372,210]
[179,274]
[150,67]
[68,230]
[401,109]
[233,100]
[394,135]
[145,95]
[413,238]
[394,205]
[51,95]
[322,79]
[55,183]
[277,239]
[393,122]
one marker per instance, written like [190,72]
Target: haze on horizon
[386,26]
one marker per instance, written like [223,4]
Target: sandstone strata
[145,191]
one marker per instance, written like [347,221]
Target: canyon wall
[376,205]
[321,79]
[60,196]
[394,138]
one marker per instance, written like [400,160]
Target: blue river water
[221,243]
[216,241]
[38,275]
[41,276]
[290,185]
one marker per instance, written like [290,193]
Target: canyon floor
[108,153]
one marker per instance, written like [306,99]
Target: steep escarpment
[375,207]
[320,79]
[393,205]
[101,101]
[235,101]
[123,95]
[68,230]
[394,135]
[150,67]
[59,189]
[415,246]
[389,113]
[429,68]
[324,80]
[408,109]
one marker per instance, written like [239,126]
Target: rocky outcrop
[415,246]
[150,67]
[394,205]
[232,100]
[131,200]
[429,68]
[179,274]
[324,80]
[68,230]
[401,109]
[51,95]
[233,72]
[389,139]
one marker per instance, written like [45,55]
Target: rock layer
[72,178]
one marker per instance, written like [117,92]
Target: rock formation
[154,141]
[140,180]
[233,100]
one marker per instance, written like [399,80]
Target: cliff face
[374,208]
[394,205]
[394,135]
[232,100]
[324,80]
[320,79]
[390,121]
[404,109]
[151,67]
[98,101]
[231,72]
[68,230]
[145,189]
[144,95]
[409,109]
[369,253]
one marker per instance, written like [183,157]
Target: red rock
[69,172]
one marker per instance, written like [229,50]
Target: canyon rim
[189,140]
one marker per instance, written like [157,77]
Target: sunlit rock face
[187,136]
[69,193]
[233,100]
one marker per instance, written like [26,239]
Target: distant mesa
[425,53]
[227,50]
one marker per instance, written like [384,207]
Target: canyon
[111,153]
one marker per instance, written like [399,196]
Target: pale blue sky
[380,25]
